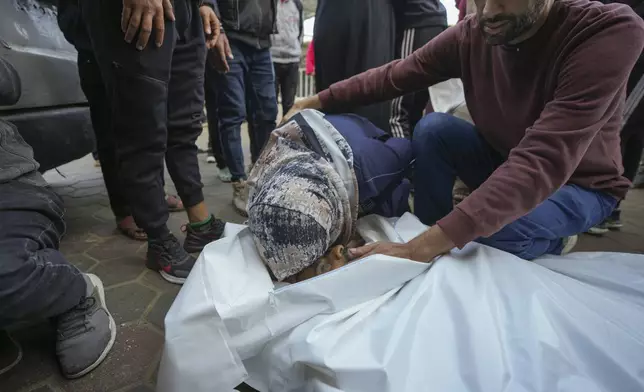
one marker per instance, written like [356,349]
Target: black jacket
[420,13]
[249,21]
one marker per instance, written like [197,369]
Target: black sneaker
[166,256]
[10,352]
[197,239]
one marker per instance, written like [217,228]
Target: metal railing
[305,85]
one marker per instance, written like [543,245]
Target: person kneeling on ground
[544,156]
[314,178]
[36,281]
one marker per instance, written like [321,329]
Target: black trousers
[156,97]
[286,78]
[100,111]
[353,36]
[407,110]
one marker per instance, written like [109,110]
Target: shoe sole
[101,295]
[171,278]
[597,232]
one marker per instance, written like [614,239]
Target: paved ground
[139,298]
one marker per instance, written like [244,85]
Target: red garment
[546,104]
[310,60]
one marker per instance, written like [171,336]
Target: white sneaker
[569,243]
[211,159]
[224,175]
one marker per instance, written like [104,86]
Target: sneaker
[10,352]
[166,256]
[86,333]
[198,238]
[614,221]
[240,197]
[211,159]
[568,244]
[598,230]
[224,175]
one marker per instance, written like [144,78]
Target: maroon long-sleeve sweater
[553,104]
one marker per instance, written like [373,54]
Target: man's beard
[516,25]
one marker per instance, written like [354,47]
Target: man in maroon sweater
[545,84]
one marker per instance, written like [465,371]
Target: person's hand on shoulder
[142,16]
[306,103]
[211,25]
[221,53]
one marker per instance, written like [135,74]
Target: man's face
[503,21]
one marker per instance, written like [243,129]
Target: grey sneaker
[86,333]
[240,197]
[10,352]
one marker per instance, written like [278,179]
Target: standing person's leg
[185,117]
[99,106]
[212,109]
[231,95]
[446,147]
[288,85]
[37,282]
[278,72]
[137,86]
[262,97]
[400,107]
[137,82]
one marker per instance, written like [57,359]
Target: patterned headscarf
[299,205]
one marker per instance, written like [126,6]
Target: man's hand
[141,16]
[423,248]
[220,54]
[211,25]
[306,103]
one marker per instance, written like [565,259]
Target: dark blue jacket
[381,164]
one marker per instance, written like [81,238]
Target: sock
[198,225]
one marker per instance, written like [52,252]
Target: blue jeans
[446,147]
[251,72]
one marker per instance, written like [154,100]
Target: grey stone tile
[77,243]
[82,262]
[120,270]
[128,302]
[160,309]
[134,354]
[114,248]
[153,279]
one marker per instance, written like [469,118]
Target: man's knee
[430,130]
